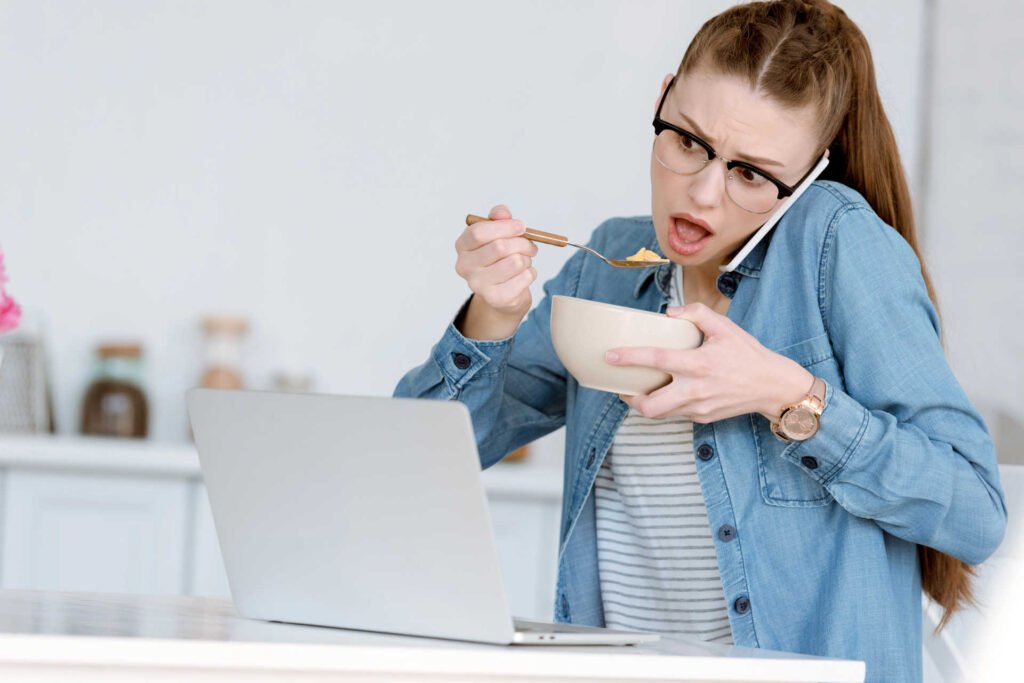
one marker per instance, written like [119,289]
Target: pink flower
[10,312]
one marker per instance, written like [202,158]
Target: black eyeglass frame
[661,125]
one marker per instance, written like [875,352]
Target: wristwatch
[800,421]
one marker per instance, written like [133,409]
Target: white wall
[975,239]
[165,159]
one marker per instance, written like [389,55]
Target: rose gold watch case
[800,421]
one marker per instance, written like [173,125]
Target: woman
[695,509]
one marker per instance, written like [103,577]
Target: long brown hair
[808,52]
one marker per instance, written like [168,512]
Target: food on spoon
[644,255]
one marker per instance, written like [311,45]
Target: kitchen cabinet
[90,532]
[131,516]
[206,571]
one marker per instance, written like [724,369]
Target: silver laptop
[362,513]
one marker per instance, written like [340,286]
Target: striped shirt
[655,553]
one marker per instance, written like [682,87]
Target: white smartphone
[763,230]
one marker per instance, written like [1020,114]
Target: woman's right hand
[496,261]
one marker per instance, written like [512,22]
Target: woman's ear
[664,84]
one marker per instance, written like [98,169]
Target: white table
[50,636]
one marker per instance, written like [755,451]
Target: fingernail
[611,357]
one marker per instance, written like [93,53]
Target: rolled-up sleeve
[515,388]
[900,443]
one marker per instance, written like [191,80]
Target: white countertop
[149,458]
[57,636]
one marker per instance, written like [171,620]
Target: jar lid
[119,349]
[225,323]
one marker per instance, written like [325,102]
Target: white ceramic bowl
[583,330]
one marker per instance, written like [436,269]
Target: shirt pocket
[783,483]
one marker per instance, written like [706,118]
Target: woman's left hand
[730,374]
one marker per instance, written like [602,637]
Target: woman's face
[696,221]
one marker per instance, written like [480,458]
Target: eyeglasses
[685,153]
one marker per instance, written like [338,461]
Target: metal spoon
[561,241]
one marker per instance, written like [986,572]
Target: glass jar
[518,455]
[222,351]
[115,402]
[291,382]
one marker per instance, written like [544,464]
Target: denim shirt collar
[750,266]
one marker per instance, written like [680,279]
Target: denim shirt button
[461,360]
[809,462]
[726,532]
[705,452]
[727,283]
[742,605]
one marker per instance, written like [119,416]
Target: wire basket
[24,396]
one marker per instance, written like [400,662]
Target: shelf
[179,459]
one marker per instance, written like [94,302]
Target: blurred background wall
[308,165]
[973,160]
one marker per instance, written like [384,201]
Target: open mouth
[687,237]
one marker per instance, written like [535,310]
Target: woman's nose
[707,186]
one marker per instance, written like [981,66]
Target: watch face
[799,423]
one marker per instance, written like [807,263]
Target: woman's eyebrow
[741,157]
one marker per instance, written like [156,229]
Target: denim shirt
[817,540]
